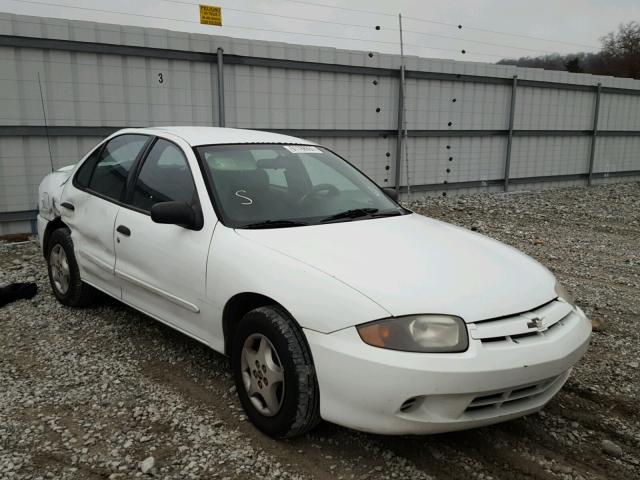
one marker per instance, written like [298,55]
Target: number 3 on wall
[160,78]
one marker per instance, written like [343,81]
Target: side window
[110,175]
[164,177]
[84,172]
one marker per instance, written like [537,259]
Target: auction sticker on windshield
[302,149]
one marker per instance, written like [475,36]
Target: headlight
[564,295]
[417,333]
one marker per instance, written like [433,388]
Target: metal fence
[470,126]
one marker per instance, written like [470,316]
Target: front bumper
[384,391]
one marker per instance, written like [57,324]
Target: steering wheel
[331,190]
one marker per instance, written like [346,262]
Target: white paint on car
[333,277]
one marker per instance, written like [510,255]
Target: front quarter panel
[315,299]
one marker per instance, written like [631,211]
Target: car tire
[64,274]
[294,408]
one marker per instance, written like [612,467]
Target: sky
[430,26]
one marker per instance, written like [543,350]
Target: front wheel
[274,374]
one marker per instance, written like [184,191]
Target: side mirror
[175,213]
[391,193]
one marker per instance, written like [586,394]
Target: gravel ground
[106,392]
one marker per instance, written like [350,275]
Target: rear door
[162,267]
[91,202]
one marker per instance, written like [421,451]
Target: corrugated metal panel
[24,161]
[544,156]
[417,196]
[617,154]
[23,25]
[551,108]
[18,226]
[546,185]
[84,89]
[454,159]
[258,97]
[619,112]
[431,105]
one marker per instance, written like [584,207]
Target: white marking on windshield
[238,194]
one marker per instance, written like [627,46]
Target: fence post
[400,126]
[221,121]
[512,110]
[594,134]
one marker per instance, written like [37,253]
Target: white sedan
[331,299]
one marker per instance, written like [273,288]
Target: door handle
[123,230]
[68,206]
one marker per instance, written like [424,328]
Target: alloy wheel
[60,273]
[262,374]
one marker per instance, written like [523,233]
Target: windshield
[271,186]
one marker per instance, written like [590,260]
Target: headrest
[231,180]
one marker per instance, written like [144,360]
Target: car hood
[413,264]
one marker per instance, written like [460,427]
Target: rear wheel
[64,274]
[274,374]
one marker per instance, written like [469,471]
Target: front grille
[512,396]
[526,327]
[522,336]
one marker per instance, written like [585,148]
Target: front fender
[316,300]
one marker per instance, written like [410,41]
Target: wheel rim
[262,374]
[59,269]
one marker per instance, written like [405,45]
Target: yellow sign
[210,15]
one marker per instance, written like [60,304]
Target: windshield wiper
[392,213]
[275,224]
[353,213]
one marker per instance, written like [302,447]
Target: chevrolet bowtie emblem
[537,323]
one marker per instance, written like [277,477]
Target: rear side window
[110,174]
[164,177]
[86,169]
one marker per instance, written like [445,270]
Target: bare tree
[621,50]
[573,65]
[619,56]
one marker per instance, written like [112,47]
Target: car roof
[195,136]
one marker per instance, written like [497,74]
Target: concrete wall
[98,77]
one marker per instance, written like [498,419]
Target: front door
[163,267]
